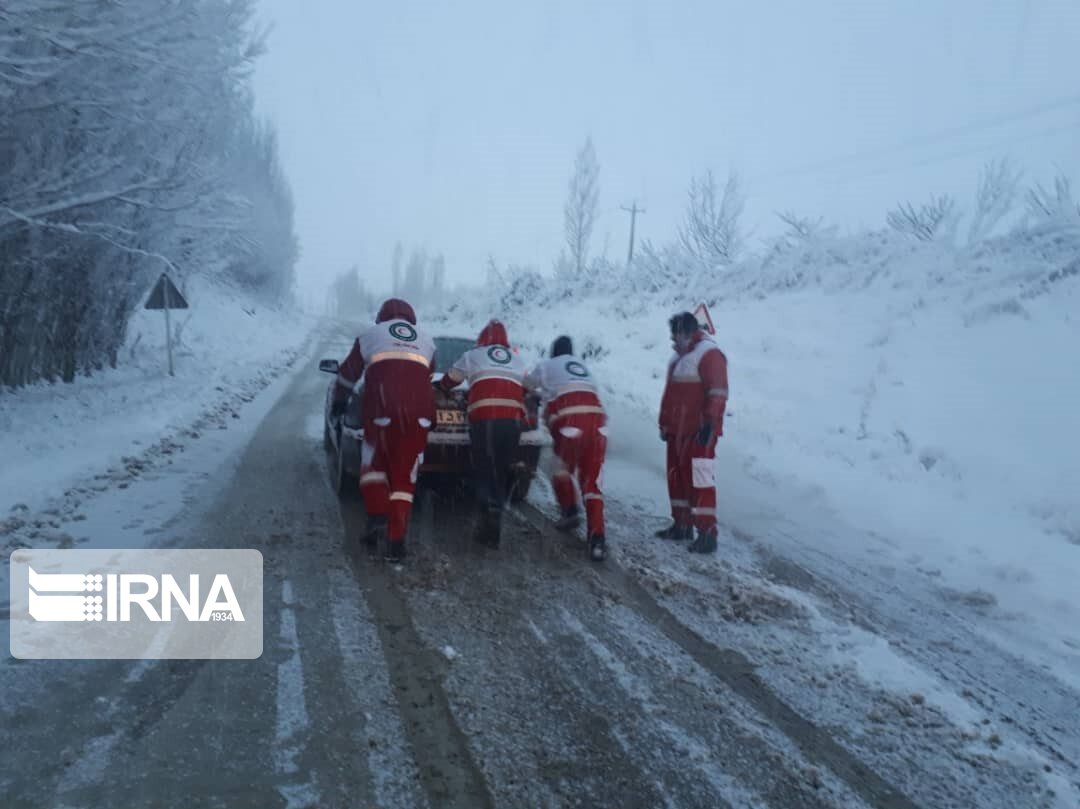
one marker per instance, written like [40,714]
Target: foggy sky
[453,126]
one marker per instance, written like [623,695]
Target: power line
[928,139]
[1054,130]
[634,210]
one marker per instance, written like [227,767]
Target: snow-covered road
[923,681]
[773,675]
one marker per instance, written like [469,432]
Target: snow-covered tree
[128,146]
[579,213]
[349,298]
[712,225]
[414,285]
[437,286]
[395,268]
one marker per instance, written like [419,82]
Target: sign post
[166,296]
[704,318]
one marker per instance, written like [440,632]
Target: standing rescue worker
[577,422]
[691,420]
[398,408]
[496,412]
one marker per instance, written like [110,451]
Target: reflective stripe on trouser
[389,458]
[581,454]
[691,481]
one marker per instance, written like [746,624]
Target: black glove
[436,384]
[337,408]
[663,436]
[704,433]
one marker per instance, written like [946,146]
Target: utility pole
[168,329]
[633,210]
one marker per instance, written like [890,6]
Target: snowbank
[227,346]
[925,395]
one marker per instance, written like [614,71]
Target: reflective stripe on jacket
[394,358]
[572,398]
[696,393]
[495,375]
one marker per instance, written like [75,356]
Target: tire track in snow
[519,703]
[393,773]
[615,730]
[508,695]
[89,768]
[94,758]
[737,672]
[724,784]
[448,773]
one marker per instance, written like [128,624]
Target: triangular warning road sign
[704,318]
[158,296]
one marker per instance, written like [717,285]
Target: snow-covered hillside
[922,394]
[226,347]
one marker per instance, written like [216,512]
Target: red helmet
[396,309]
[494,334]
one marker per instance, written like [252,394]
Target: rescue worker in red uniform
[398,407]
[496,411]
[577,422]
[691,420]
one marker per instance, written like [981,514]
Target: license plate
[450,418]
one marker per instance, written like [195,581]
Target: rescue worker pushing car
[577,422]
[398,409]
[496,411]
[691,421]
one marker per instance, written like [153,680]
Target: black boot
[676,532]
[569,520]
[395,551]
[597,547]
[705,542]
[490,527]
[375,529]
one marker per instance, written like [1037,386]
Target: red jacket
[495,375]
[696,393]
[395,358]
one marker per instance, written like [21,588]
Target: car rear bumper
[448,451]
[459,438]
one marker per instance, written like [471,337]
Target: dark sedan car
[448,452]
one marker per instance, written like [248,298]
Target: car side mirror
[329,366]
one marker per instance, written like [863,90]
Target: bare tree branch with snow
[926,223]
[712,226]
[802,228]
[995,197]
[1054,205]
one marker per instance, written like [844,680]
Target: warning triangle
[704,318]
[158,295]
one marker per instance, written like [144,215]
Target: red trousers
[580,452]
[390,460]
[691,481]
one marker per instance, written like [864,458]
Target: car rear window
[448,350]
